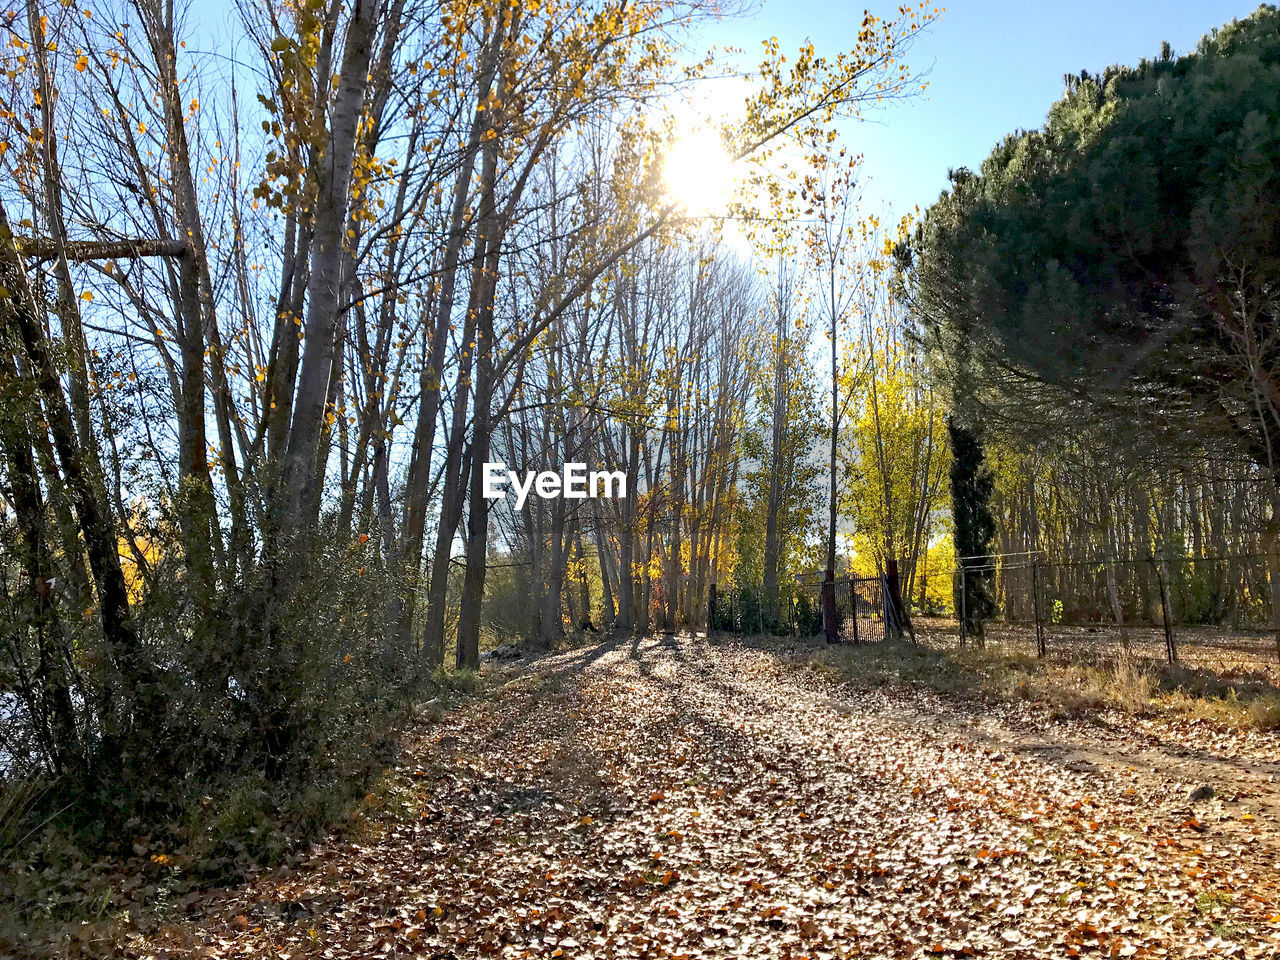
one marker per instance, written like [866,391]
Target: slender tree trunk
[301,490]
[1272,544]
[835,435]
[1113,591]
[772,548]
[584,586]
[36,561]
[19,314]
[608,614]
[455,476]
[468,650]
[551,628]
[418,480]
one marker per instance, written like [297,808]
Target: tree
[1153,297]
[787,394]
[839,275]
[971,485]
[1116,268]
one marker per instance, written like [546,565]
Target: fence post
[853,605]
[963,616]
[1170,644]
[1035,600]
[711,608]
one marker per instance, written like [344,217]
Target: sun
[697,173]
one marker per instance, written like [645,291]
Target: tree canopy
[1125,255]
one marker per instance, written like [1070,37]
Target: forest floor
[684,798]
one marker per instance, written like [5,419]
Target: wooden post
[711,608]
[1035,599]
[1170,644]
[963,616]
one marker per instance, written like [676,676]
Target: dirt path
[682,799]
[1172,759]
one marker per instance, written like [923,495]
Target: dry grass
[1118,681]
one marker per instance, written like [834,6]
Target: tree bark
[418,480]
[486,280]
[302,486]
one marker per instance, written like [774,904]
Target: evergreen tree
[971,487]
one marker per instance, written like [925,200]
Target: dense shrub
[276,704]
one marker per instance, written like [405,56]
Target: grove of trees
[267,307]
[1099,300]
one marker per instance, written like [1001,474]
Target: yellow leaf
[86,296]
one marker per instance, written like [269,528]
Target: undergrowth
[67,878]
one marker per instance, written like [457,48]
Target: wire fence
[859,607]
[1206,611]
[1210,612]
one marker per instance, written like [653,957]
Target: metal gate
[867,598]
[860,609]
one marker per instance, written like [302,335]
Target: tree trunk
[19,313]
[37,563]
[301,490]
[418,480]
[604,559]
[468,649]
[1272,544]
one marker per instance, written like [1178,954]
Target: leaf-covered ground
[661,799]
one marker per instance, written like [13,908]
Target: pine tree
[971,487]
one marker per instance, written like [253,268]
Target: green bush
[278,704]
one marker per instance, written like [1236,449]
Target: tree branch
[79,251]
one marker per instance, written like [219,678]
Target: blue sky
[995,66]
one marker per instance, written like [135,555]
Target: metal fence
[1204,611]
[867,601]
[860,609]
[1210,612]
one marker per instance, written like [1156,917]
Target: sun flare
[698,174]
